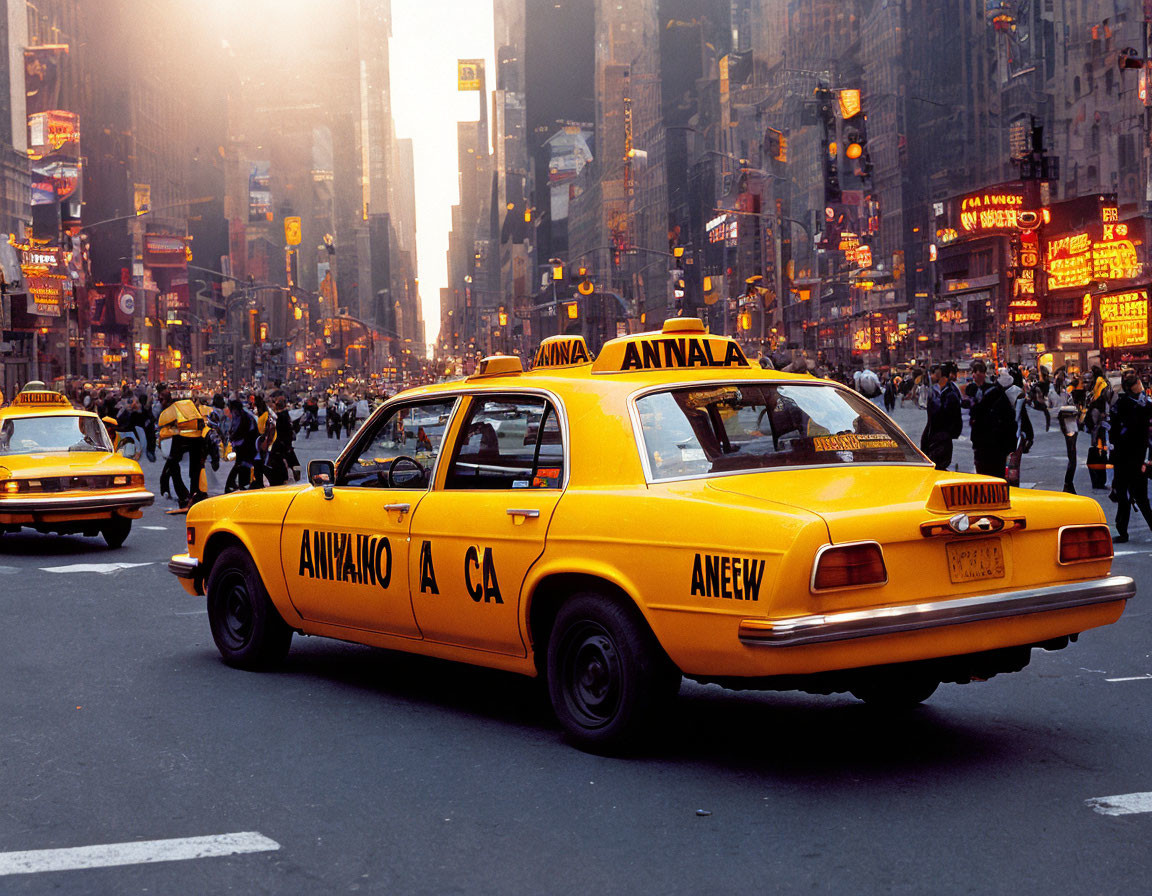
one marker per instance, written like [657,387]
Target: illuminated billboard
[980,213]
[1124,319]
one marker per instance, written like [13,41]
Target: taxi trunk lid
[888,505]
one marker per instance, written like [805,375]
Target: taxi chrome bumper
[62,503]
[183,566]
[821,628]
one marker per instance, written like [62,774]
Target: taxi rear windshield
[728,429]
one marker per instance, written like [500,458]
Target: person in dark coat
[992,421]
[945,422]
[1130,418]
[242,435]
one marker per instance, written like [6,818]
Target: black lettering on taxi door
[489,591]
[427,572]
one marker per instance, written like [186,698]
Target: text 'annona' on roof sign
[562,351]
[683,344]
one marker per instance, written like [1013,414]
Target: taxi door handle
[527,514]
[398,508]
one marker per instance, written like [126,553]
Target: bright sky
[428,36]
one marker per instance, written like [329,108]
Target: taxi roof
[45,402]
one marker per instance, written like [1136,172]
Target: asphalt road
[363,770]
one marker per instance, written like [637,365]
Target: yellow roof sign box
[40,398]
[682,344]
[498,365]
[562,351]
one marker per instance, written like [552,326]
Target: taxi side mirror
[321,472]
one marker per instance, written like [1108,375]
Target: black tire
[116,530]
[896,690]
[248,630]
[607,675]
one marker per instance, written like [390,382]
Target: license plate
[972,560]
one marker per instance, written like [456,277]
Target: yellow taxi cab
[59,472]
[666,509]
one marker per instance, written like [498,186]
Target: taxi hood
[62,463]
[857,503]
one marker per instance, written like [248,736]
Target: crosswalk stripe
[1124,804]
[108,855]
[102,568]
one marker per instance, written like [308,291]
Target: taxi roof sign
[40,398]
[498,365]
[562,351]
[682,344]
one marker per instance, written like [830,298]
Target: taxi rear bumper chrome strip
[131,500]
[821,628]
[184,567]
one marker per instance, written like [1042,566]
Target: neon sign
[1124,319]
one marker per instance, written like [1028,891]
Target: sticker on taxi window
[853,442]
[546,477]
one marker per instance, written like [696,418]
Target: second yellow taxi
[59,473]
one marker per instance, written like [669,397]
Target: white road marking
[103,568]
[155,528]
[193,613]
[8,570]
[1125,551]
[1124,804]
[141,852]
[1132,678]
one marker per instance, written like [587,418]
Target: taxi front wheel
[607,675]
[247,629]
[116,530]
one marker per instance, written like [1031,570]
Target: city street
[354,769]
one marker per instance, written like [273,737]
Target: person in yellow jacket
[183,423]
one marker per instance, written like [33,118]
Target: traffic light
[584,286]
[573,310]
[557,269]
[263,331]
[252,315]
[503,317]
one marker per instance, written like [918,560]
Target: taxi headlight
[1080,544]
[849,566]
[119,480]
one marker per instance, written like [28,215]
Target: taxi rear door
[475,537]
[345,557]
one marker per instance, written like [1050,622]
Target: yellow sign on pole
[469,73]
[142,198]
[292,231]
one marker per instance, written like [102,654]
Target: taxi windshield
[52,432]
[741,428]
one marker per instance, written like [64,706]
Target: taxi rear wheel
[896,689]
[116,530]
[247,629]
[607,675]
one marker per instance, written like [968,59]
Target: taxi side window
[414,432]
[508,443]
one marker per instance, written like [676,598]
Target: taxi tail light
[1079,544]
[849,566]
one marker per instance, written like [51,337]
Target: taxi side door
[345,551]
[476,535]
